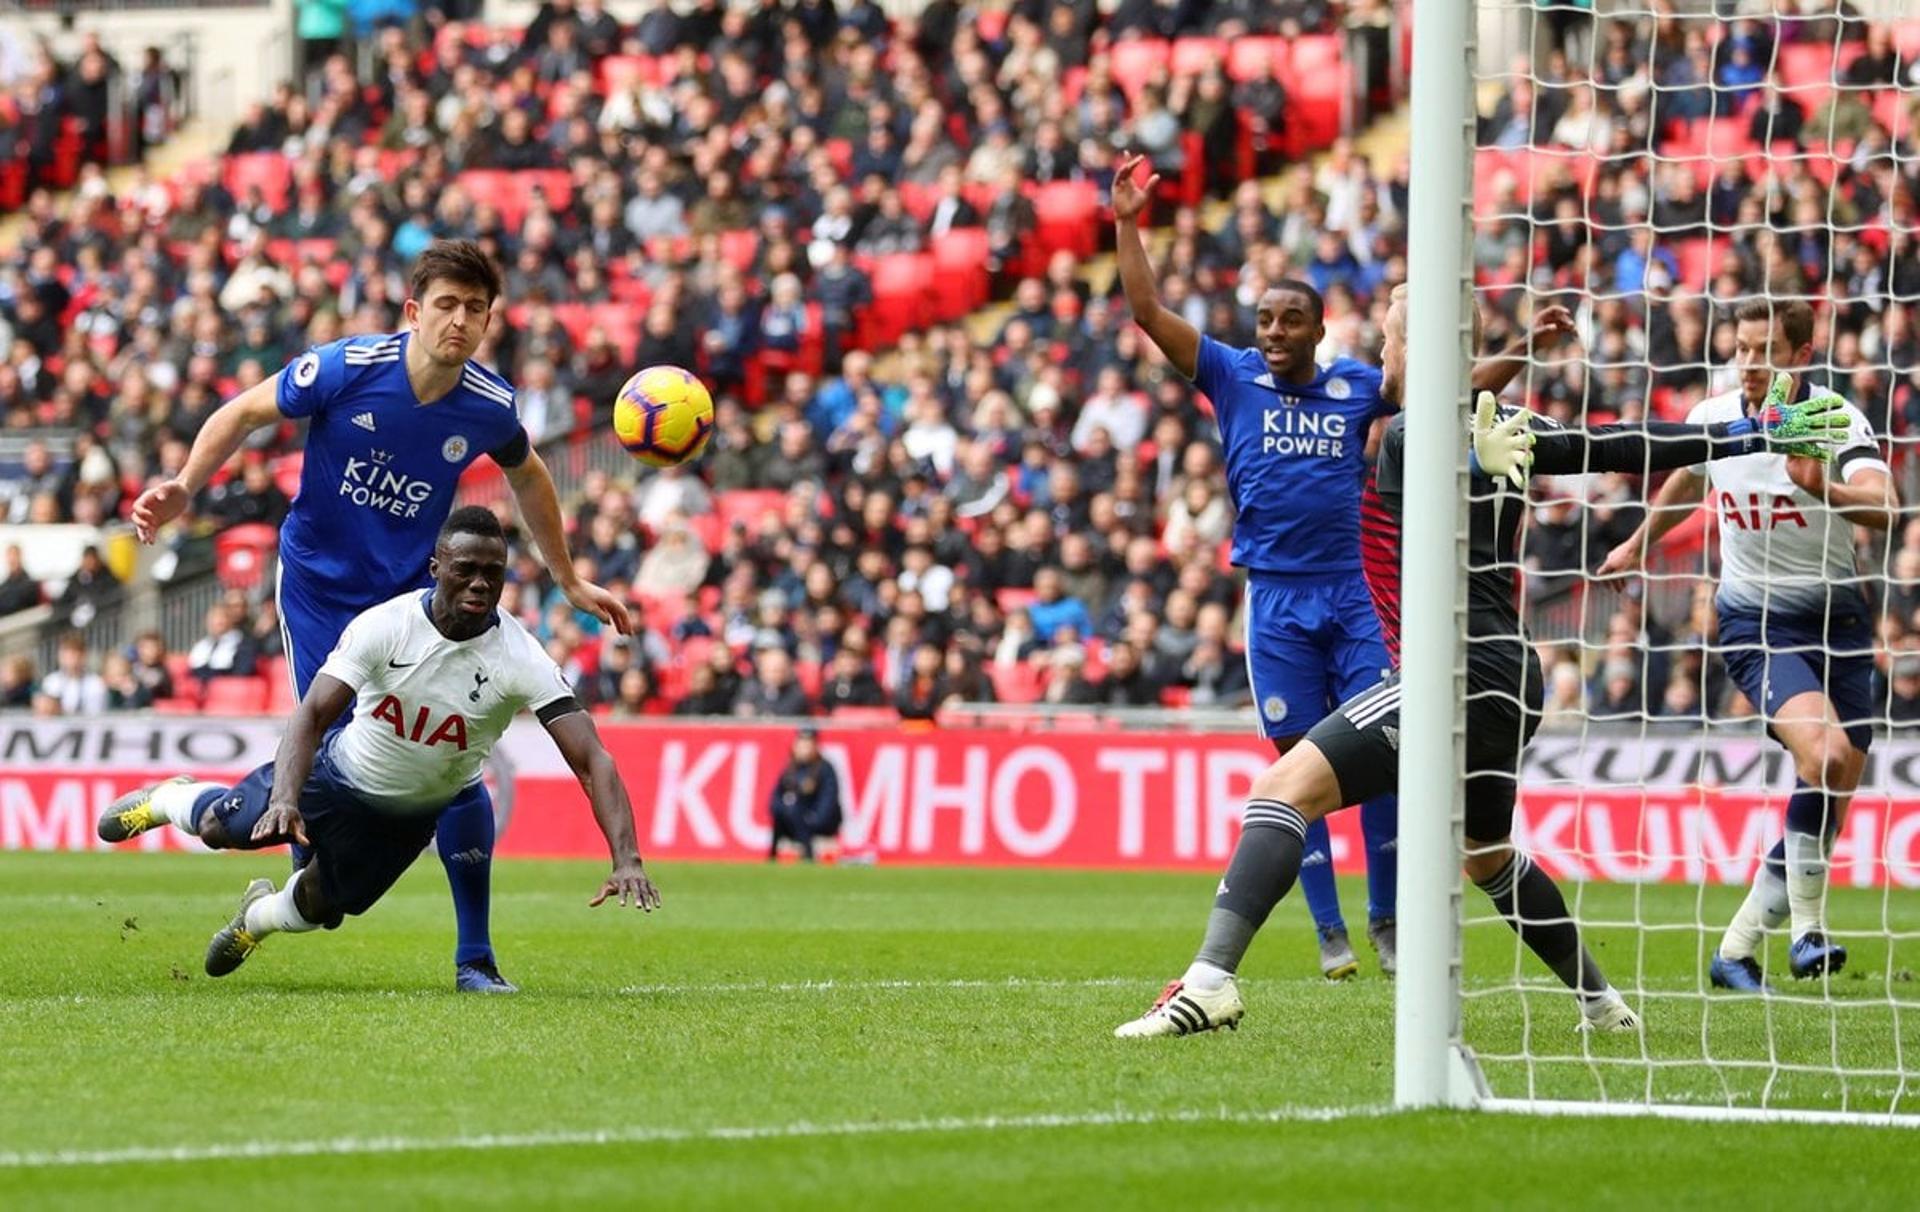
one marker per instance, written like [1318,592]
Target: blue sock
[465,839]
[1316,878]
[1776,860]
[1380,826]
[1810,810]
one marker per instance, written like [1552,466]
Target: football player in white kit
[1796,625]
[434,677]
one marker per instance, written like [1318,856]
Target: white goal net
[1653,168]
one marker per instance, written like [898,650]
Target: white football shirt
[1781,548]
[430,709]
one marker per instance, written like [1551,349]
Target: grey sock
[1265,864]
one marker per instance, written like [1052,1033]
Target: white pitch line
[651,1135]
[830,985]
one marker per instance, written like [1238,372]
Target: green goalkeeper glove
[1503,448]
[1811,429]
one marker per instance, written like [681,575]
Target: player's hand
[601,605]
[157,506]
[1503,448]
[1621,560]
[1809,473]
[1130,199]
[281,821]
[1809,429]
[1550,326]
[629,882]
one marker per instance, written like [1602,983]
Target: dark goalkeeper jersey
[1497,653]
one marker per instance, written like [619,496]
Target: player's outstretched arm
[326,698]
[533,488]
[252,409]
[1672,505]
[579,743]
[1177,339]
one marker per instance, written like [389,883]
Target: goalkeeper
[1795,627]
[1353,754]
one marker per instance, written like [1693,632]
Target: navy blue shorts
[1312,643]
[358,851]
[1774,657]
[312,618]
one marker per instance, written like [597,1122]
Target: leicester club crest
[455,449]
[1338,389]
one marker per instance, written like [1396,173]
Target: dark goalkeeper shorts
[1361,741]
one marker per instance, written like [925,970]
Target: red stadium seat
[236,696]
[177,706]
[1010,600]
[1193,56]
[1015,684]
[286,473]
[270,172]
[1135,61]
[747,505]
[241,554]
[902,294]
[619,72]
[1313,52]
[1067,215]
[1251,58]
[959,271]
[919,198]
[807,675]
[739,248]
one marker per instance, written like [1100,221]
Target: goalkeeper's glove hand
[1503,448]
[1811,428]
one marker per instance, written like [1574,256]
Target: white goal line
[651,1135]
[1704,1114]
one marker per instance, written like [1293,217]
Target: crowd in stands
[57,114]
[722,189]
[899,510]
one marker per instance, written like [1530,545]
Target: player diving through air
[1794,625]
[434,677]
[1354,753]
[392,422]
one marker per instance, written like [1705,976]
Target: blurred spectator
[225,650]
[1067,684]
[149,666]
[73,686]
[925,687]
[804,806]
[850,683]
[18,591]
[91,590]
[16,683]
[772,691]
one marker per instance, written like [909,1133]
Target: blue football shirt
[1296,457]
[381,467]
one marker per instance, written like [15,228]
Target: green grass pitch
[872,1038]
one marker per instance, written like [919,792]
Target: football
[663,416]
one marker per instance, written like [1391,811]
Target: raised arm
[539,504]
[254,408]
[1493,373]
[1177,339]
[326,698]
[590,762]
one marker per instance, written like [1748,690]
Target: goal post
[1429,1069]
[1632,170]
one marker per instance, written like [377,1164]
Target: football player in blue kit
[392,422]
[1294,435]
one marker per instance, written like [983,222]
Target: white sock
[1205,977]
[175,802]
[1764,909]
[1807,883]
[276,913]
